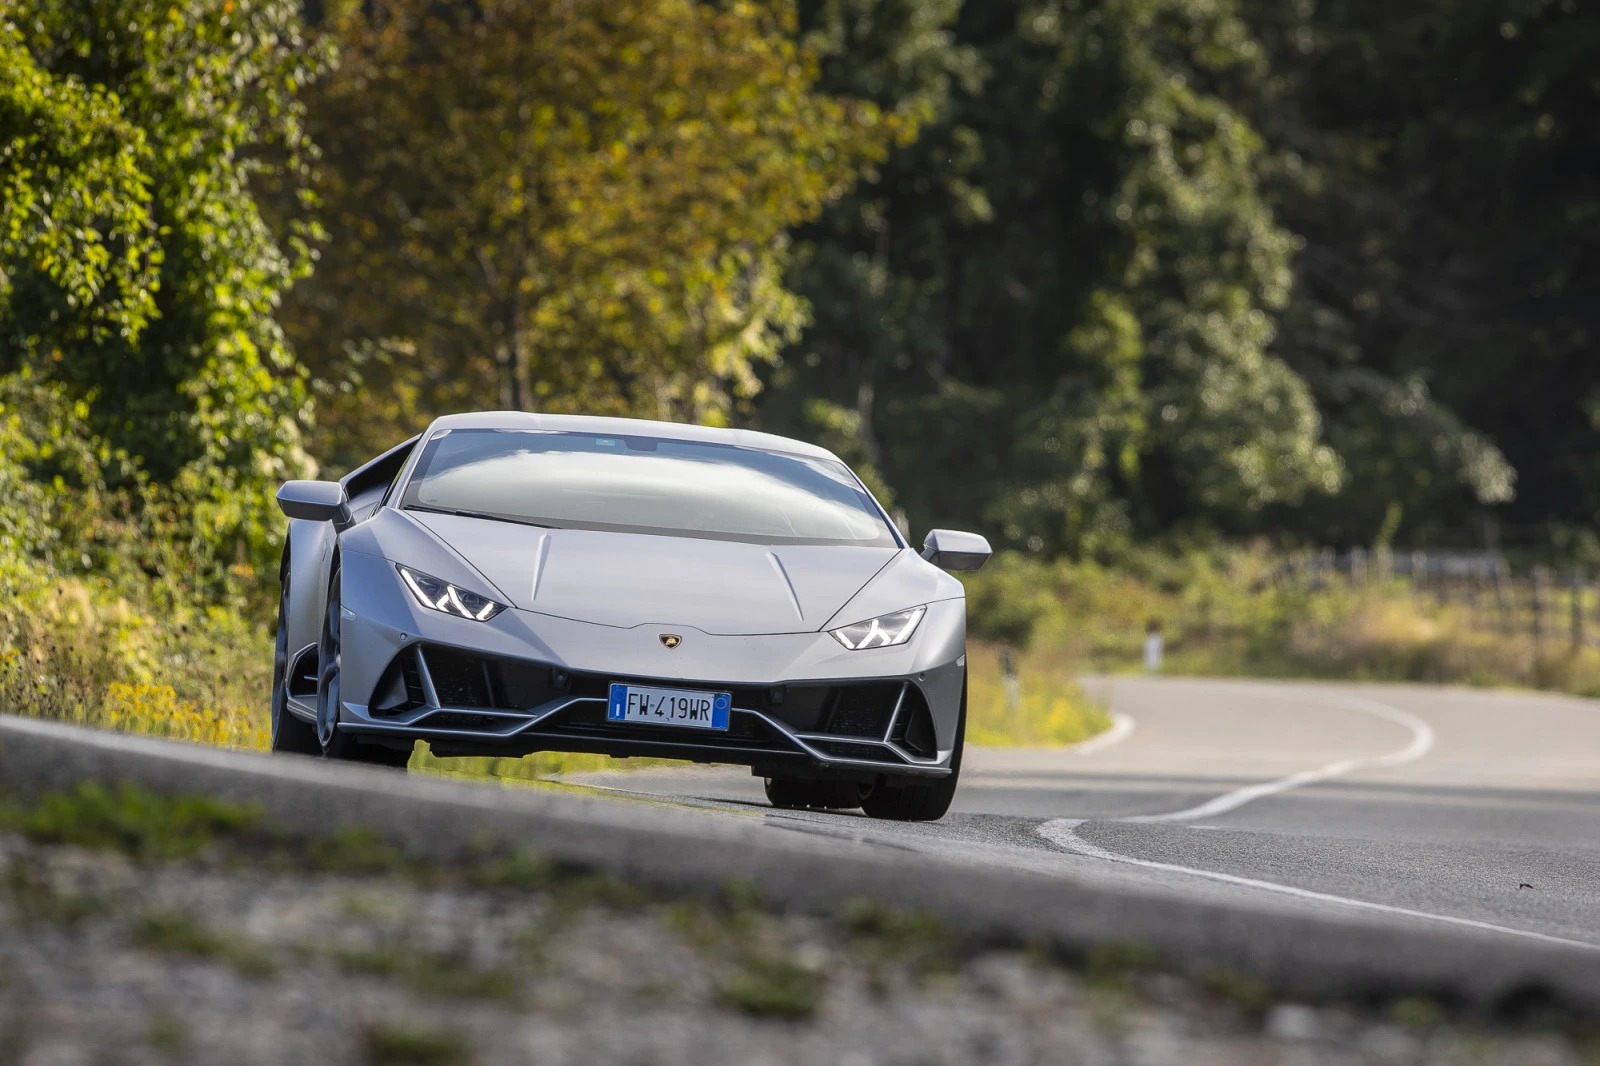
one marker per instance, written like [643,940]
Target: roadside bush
[1050,708]
[104,619]
[157,710]
[1233,611]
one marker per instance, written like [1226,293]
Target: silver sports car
[507,583]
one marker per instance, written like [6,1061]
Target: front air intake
[400,688]
[913,730]
[862,710]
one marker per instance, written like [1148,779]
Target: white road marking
[1122,727]
[1063,832]
[1421,743]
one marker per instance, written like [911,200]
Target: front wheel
[333,742]
[921,803]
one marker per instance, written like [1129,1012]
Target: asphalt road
[1454,809]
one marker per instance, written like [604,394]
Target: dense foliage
[136,269]
[536,204]
[1324,270]
[1081,274]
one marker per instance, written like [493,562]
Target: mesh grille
[862,710]
[460,680]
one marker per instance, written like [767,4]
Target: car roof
[623,427]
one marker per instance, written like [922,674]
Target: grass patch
[1416,1012]
[135,654]
[174,933]
[515,870]
[913,938]
[38,898]
[358,851]
[431,974]
[1115,965]
[142,824]
[166,1034]
[771,986]
[1237,990]
[413,1045]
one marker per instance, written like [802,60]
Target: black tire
[787,793]
[922,803]
[792,794]
[289,734]
[333,743]
[839,795]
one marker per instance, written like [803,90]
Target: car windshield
[639,484]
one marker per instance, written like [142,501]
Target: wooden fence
[1547,605]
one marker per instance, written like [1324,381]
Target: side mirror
[950,549]
[314,501]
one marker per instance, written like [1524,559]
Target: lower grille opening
[460,680]
[913,730]
[862,710]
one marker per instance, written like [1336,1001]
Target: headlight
[885,631]
[442,596]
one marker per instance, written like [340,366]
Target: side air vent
[913,730]
[303,674]
[400,688]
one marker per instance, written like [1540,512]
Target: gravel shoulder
[137,928]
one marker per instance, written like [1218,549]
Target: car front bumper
[525,682]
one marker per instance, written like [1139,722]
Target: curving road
[1456,809]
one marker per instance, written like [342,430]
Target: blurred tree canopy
[1440,162]
[1055,317]
[538,204]
[1319,269]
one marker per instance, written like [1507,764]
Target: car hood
[630,579]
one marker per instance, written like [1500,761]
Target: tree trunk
[516,392]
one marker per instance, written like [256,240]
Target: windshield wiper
[461,513]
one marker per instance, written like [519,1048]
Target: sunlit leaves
[135,267]
[78,248]
[562,206]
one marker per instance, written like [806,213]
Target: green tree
[556,206]
[1403,140]
[78,246]
[1064,320]
[136,269]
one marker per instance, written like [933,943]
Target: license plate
[669,706]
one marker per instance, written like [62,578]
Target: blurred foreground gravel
[351,956]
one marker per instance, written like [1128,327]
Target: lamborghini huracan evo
[507,583]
